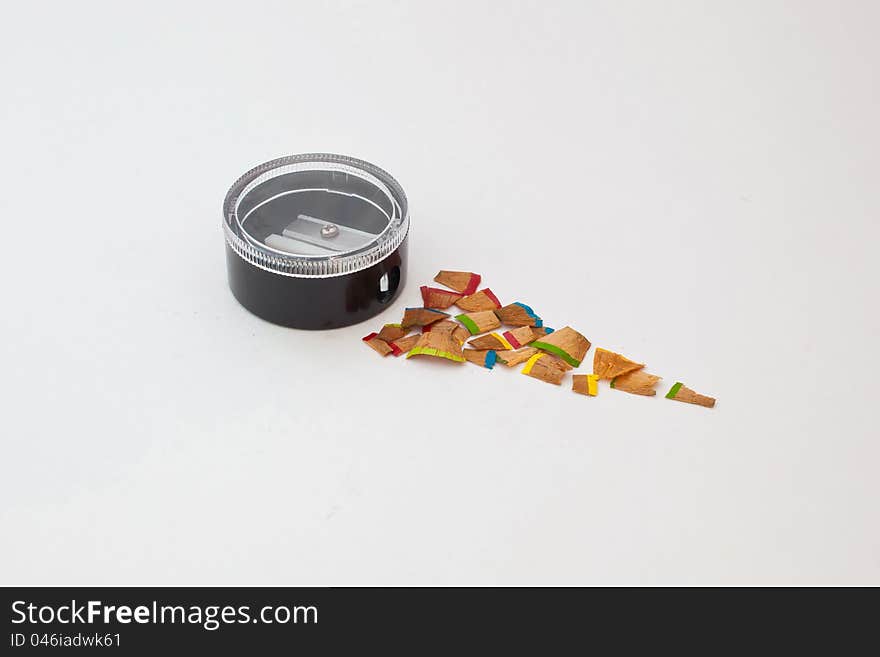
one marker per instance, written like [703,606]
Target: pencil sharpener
[316,241]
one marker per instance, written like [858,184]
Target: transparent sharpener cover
[315,215]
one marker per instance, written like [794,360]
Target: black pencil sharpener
[316,241]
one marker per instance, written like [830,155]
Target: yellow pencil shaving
[530,363]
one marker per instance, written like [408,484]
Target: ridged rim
[315,266]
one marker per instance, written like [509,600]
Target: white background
[691,183]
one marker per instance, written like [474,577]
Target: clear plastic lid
[315,215]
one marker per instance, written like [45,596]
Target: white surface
[692,184]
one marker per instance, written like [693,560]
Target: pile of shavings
[488,332]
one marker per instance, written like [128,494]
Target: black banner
[134,621]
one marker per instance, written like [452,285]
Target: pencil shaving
[433,297]
[585,384]
[679,392]
[421,317]
[608,364]
[482,357]
[461,281]
[637,382]
[513,358]
[482,300]
[518,314]
[566,343]
[479,322]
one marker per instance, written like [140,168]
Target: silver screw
[329,230]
